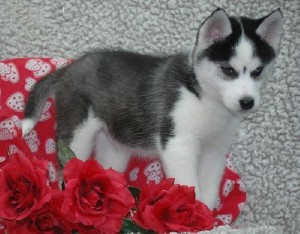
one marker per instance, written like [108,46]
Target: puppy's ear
[215,28]
[270,28]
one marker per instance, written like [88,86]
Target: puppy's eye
[229,71]
[257,72]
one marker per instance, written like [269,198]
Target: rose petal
[167,207]
[72,169]
[24,187]
[111,225]
[96,197]
[151,221]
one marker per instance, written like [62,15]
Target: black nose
[246,103]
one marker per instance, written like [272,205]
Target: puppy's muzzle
[247,103]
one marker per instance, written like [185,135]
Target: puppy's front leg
[180,161]
[211,170]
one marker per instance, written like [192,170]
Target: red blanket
[17,77]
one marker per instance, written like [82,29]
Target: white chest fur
[206,121]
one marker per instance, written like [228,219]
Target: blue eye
[229,71]
[257,72]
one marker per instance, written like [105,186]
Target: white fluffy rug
[246,230]
[267,150]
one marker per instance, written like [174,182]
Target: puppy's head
[233,57]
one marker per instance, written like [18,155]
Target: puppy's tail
[37,99]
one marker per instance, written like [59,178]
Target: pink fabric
[17,77]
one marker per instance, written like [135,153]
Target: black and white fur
[185,107]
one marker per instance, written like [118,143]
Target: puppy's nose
[247,103]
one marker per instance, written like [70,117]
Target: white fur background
[267,150]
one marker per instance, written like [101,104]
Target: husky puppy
[186,108]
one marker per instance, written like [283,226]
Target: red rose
[47,220]
[167,207]
[2,226]
[83,229]
[94,196]
[23,187]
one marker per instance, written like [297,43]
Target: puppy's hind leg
[77,125]
[83,140]
[110,153]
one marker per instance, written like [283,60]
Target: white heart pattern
[45,115]
[218,204]
[17,121]
[39,67]
[32,141]
[8,128]
[154,172]
[50,146]
[16,102]
[2,159]
[52,172]
[30,82]
[5,134]
[228,187]
[13,149]
[230,164]
[2,226]
[242,185]
[59,62]
[9,72]
[225,218]
[241,206]
[133,175]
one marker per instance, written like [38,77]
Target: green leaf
[131,227]
[135,192]
[64,153]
